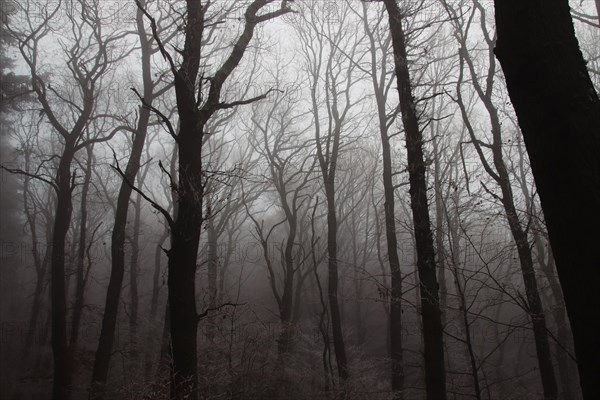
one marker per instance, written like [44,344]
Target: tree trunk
[213,266]
[80,273]
[562,329]
[559,115]
[113,294]
[534,302]
[133,278]
[435,379]
[395,310]
[41,264]
[332,288]
[500,175]
[185,236]
[468,341]
[547,265]
[152,331]
[61,389]
[287,298]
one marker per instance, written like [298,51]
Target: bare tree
[329,53]
[559,114]
[282,143]
[381,85]
[435,380]
[198,99]
[88,57]
[501,176]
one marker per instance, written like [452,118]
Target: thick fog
[309,199]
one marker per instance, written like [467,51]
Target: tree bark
[559,115]
[435,379]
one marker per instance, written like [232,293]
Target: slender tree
[87,63]
[435,379]
[109,317]
[329,52]
[289,171]
[498,170]
[381,85]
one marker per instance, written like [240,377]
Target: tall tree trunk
[81,248]
[562,329]
[454,242]
[395,309]
[559,115]
[186,227]
[152,332]
[133,276]
[439,212]
[332,287]
[435,379]
[396,275]
[535,308]
[113,294]
[156,275]
[62,369]
[213,266]
[499,173]
[287,297]
[194,114]
[164,370]
[185,236]
[40,263]
[546,263]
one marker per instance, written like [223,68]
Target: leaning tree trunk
[559,114]
[435,379]
[115,283]
[395,309]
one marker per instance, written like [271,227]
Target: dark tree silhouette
[86,72]
[109,318]
[559,114]
[435,379]
[197,102]
[381,86]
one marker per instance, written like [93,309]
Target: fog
[273,200]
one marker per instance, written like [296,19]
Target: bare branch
[163,117]
[157,206]
[19,171]
[205,312]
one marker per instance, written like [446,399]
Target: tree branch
[157,206]
[205,312]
